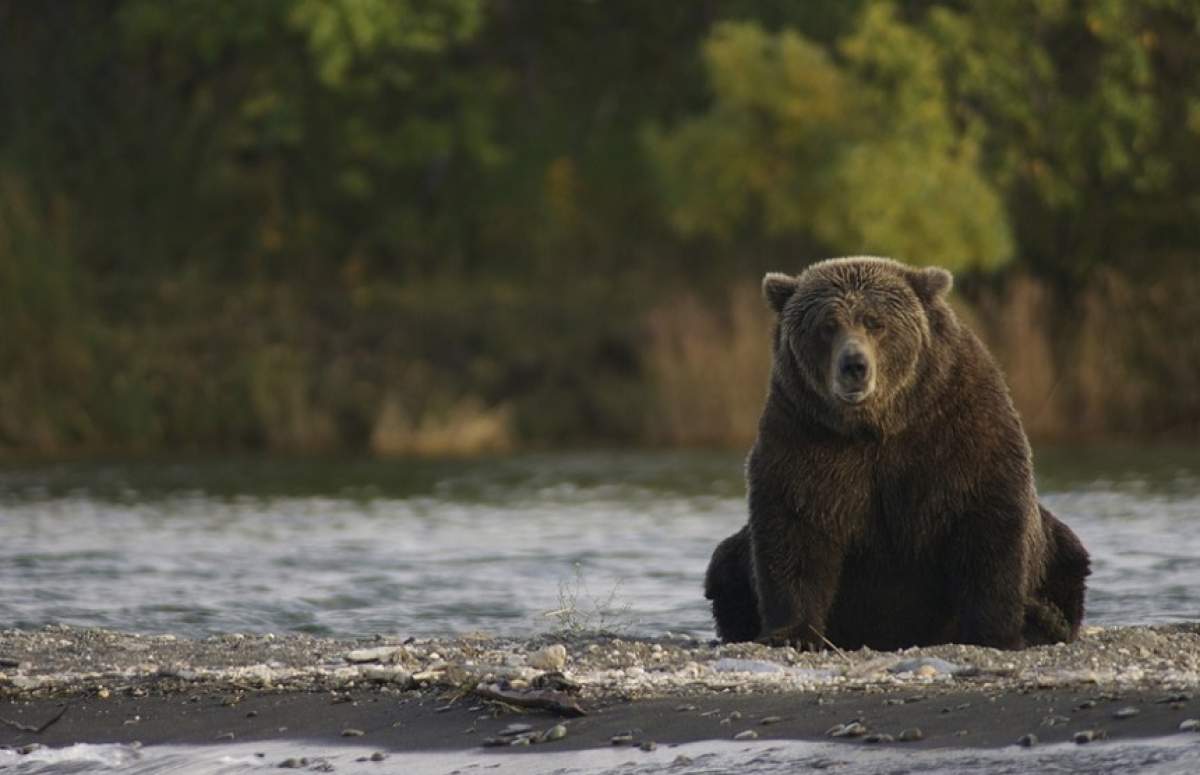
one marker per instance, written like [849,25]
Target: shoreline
[401,694]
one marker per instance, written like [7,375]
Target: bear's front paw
[800,637]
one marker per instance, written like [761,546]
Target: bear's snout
[853,372]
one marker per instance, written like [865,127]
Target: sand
[399,694]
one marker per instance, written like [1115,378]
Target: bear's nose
[853,366]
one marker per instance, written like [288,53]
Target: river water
[511,546]
[508,546]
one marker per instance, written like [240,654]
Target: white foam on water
[1174,755]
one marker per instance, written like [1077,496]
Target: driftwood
[30,728]
[555,702]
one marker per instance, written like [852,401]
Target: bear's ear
[777,289]
[931,283]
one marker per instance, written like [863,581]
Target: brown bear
[890,488]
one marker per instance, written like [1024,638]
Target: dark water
[440,547]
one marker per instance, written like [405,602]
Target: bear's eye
[829,328]
[873,324]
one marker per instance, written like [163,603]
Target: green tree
[857,148]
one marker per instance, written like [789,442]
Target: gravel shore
[468,691]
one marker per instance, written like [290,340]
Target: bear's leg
[729,584]
[991,568]
[1058,611]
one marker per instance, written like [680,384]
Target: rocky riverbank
[585,690]
[60,661]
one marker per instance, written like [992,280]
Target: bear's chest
[892,499]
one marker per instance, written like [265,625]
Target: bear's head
[858,333]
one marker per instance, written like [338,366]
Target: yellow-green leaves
[342,33]
[860,151]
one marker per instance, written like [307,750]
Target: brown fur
[909,517]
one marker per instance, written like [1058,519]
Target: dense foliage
[426,225]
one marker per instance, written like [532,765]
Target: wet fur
[910,521]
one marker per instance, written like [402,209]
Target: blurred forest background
[454,226]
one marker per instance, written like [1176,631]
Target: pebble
[911,735]
[768,720]
[292,763]
[352,732]
[648,745]
[28,749]
[748,734]
[515,729]
[878,737]
[1085,705]
[622,738]
[378,756]
[1190,725]
[556,732]
[1028,741]
[851,729]
[225,736]
[684,708]
[731,665]
[1127,712]
[550,658]
[378,654]
[396,675]
[926,666]
[1088,735]
[522,740]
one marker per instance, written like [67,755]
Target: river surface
[508,546]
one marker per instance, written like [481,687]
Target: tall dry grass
[708,368]
[1016,324]
[1119,358]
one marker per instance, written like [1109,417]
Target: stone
[352,732]
[556,732]
[731,665]
[1190,725]
[622,738]
[926,666]
[648,745]
[911,735]
[1088,735]
[380,674]
[747,734]
[768,720]
[551,658]
[1126,713]
[377,654]
[1027,741]
[878,737]
[515,729]
[849,729]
